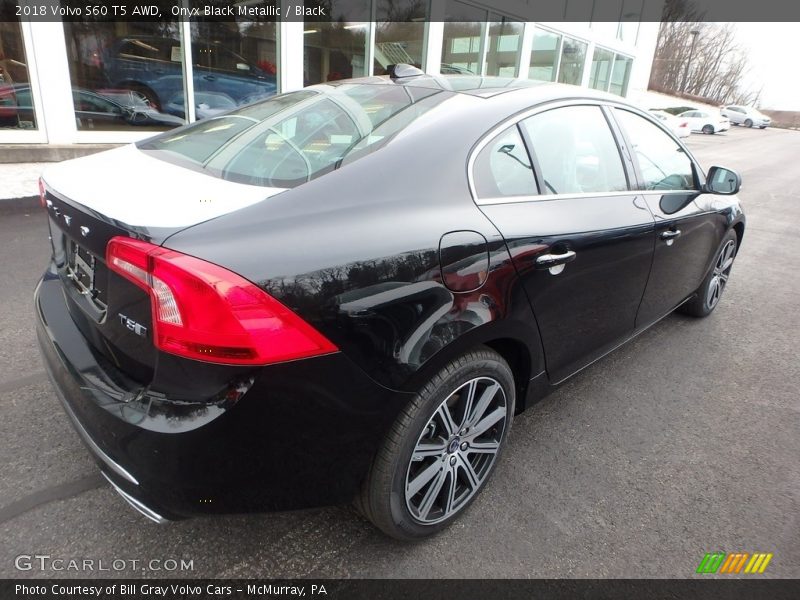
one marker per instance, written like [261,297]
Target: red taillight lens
[42,193]
[205,312]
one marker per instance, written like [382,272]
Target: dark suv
[152,66]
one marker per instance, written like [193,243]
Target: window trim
[517,118]
[531,159]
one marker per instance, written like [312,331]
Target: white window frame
[29,136]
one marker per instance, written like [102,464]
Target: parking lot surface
[684,441]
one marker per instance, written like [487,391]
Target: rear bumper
[302,436]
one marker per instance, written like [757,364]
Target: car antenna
[402,70]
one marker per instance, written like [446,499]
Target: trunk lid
[124,192]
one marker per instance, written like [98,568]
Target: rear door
[581,240]
[687,231]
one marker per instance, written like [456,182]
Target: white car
[745,115]
[705,121]
[680,127]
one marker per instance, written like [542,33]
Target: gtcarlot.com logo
[46,562]
[734,563]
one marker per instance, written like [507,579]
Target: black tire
[748,122]
[383,497]
[708,129]
[701,305]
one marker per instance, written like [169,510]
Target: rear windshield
[293,138]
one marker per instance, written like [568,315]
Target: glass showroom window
[620,75]
[399,33]
[502,57]
[462,46]
[334,51]
[573,57]
[600,75]
[544,55]
[125,76]
[16,102]
[233,63]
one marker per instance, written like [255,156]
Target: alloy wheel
[456,450]
[719,277]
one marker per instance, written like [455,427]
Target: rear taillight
[205,312]
[684,124]
[42,193]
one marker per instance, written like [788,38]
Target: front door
[687,228]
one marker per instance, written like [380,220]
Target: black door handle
[209,78]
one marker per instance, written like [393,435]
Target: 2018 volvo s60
[347,292]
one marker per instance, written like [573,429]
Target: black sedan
[347,292]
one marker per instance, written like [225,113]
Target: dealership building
[93,82]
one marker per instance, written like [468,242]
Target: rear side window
[503,167]
[576,151]
[663,164]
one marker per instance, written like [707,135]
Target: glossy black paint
[275,446]
[391,258]
[586,309]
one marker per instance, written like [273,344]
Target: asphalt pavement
[682,442]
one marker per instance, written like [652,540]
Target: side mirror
[722,181]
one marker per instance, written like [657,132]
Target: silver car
[745,115]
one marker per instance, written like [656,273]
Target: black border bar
[347,10]
[399,589]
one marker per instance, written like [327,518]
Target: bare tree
[699,59]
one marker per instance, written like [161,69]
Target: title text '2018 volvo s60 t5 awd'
[347,292]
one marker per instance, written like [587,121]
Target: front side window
[576,151]
[663,163]
[503,168]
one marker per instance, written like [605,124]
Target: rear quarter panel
[356,253]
